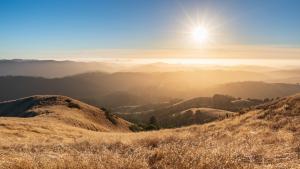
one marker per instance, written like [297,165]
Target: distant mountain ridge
[51,68]
[124,89]
[225,74]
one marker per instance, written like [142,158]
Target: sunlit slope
[54,115]
[265,137]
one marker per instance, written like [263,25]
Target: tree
[153,124]
[109,116]
[153,120]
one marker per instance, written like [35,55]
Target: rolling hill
[250,89]
[197,110]
[52,68]
[56,69]
[131,89]
[53,111]
[267,136]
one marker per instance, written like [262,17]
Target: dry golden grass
[55,111]
[265,138]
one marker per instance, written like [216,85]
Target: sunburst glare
[200,34]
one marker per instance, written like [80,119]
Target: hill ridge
[64,110]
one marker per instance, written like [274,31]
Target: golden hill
[265,137]
[35,115]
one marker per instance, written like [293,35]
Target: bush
[73,105]
[135,128]
[151,127]
[109,116]
[143,127]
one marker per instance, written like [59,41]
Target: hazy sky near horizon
[63,29]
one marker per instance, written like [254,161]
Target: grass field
[268,137]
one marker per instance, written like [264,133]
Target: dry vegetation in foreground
[268,137]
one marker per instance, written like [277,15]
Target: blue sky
[31,28]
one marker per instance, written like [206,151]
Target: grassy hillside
[53,111]
[197,110]
[265,137]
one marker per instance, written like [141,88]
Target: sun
[200,34]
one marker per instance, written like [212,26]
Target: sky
[95,29]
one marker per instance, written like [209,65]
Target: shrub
[143,127]
[109,116]
[73,105]
[151,127]
[135,128]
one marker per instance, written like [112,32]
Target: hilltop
[50,117]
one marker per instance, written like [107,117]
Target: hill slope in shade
[265,137]
[127,89]
[48,110]
[250,89]
[52,68]
[41,68]
[197,110]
